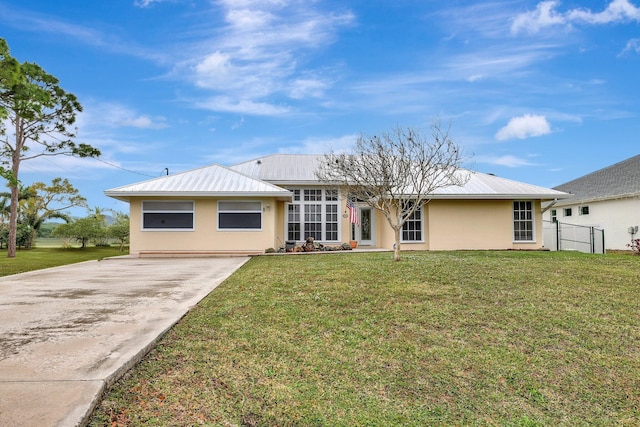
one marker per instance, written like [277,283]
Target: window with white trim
[239,215]
[584,210]
[293,222]
[523,221]
[168,215]
[314,212]
[554,215]
[567,212]
[331,221]
[412,228]
[313,221]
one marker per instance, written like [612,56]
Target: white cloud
[117,115]
[147,3]
[40,24]
[616,11]
[506,160]
[546,15]
[242,106]
[633,45]
[543,16]
[259,53]
[320,145]
[523,127]
[307,87]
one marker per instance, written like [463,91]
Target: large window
[331,221]
[313,221]
[523,221]
[167,215]
[293,221]
[412,228]
[314,212]
[239,215]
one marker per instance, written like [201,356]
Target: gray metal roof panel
[297,169]
[208,180]
[282,168]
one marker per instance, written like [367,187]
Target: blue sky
[537,91]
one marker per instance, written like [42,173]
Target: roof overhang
[598,199]
[126,196]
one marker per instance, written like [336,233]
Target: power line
[121,168]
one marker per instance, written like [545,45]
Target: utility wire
[121,168]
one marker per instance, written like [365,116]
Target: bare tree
[397,172]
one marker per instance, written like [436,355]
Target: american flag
[353,213]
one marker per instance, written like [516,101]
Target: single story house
[265,202]
[607,199]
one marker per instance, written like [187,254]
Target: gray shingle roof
[211,180]
[299,169]
[617,181]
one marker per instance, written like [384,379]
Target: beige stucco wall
[205,238]
[466,224]
[448,225]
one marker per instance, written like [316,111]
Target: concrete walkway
[67,333]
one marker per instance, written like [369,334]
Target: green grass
[449,338]
[39,258]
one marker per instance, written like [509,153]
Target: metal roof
[214,180]
[261,177]
[482,185]
[282,168]
[620,180]
[292,169]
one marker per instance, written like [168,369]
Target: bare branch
[398,171]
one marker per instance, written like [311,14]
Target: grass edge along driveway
[441,338]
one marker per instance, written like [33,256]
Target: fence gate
[560,236]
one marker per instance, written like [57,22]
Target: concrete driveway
[66,333]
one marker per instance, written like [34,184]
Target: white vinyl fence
[560,236]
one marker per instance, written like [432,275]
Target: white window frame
[305,199]
[422,230]
[581,210]
[567,212]
[144,211]
[257,210]
[532,220]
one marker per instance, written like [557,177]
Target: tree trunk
[13,212]
[396,246]
[14,183]
[13,222]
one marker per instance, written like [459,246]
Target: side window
[567,212]
[523,221]
[167,215]
[239,215]
[412,228]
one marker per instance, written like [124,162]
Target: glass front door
[366,229]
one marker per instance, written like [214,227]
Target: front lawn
[39,258]
[441,338]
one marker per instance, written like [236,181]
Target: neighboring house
[608,199]
[266,202]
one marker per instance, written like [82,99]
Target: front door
[366,232]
